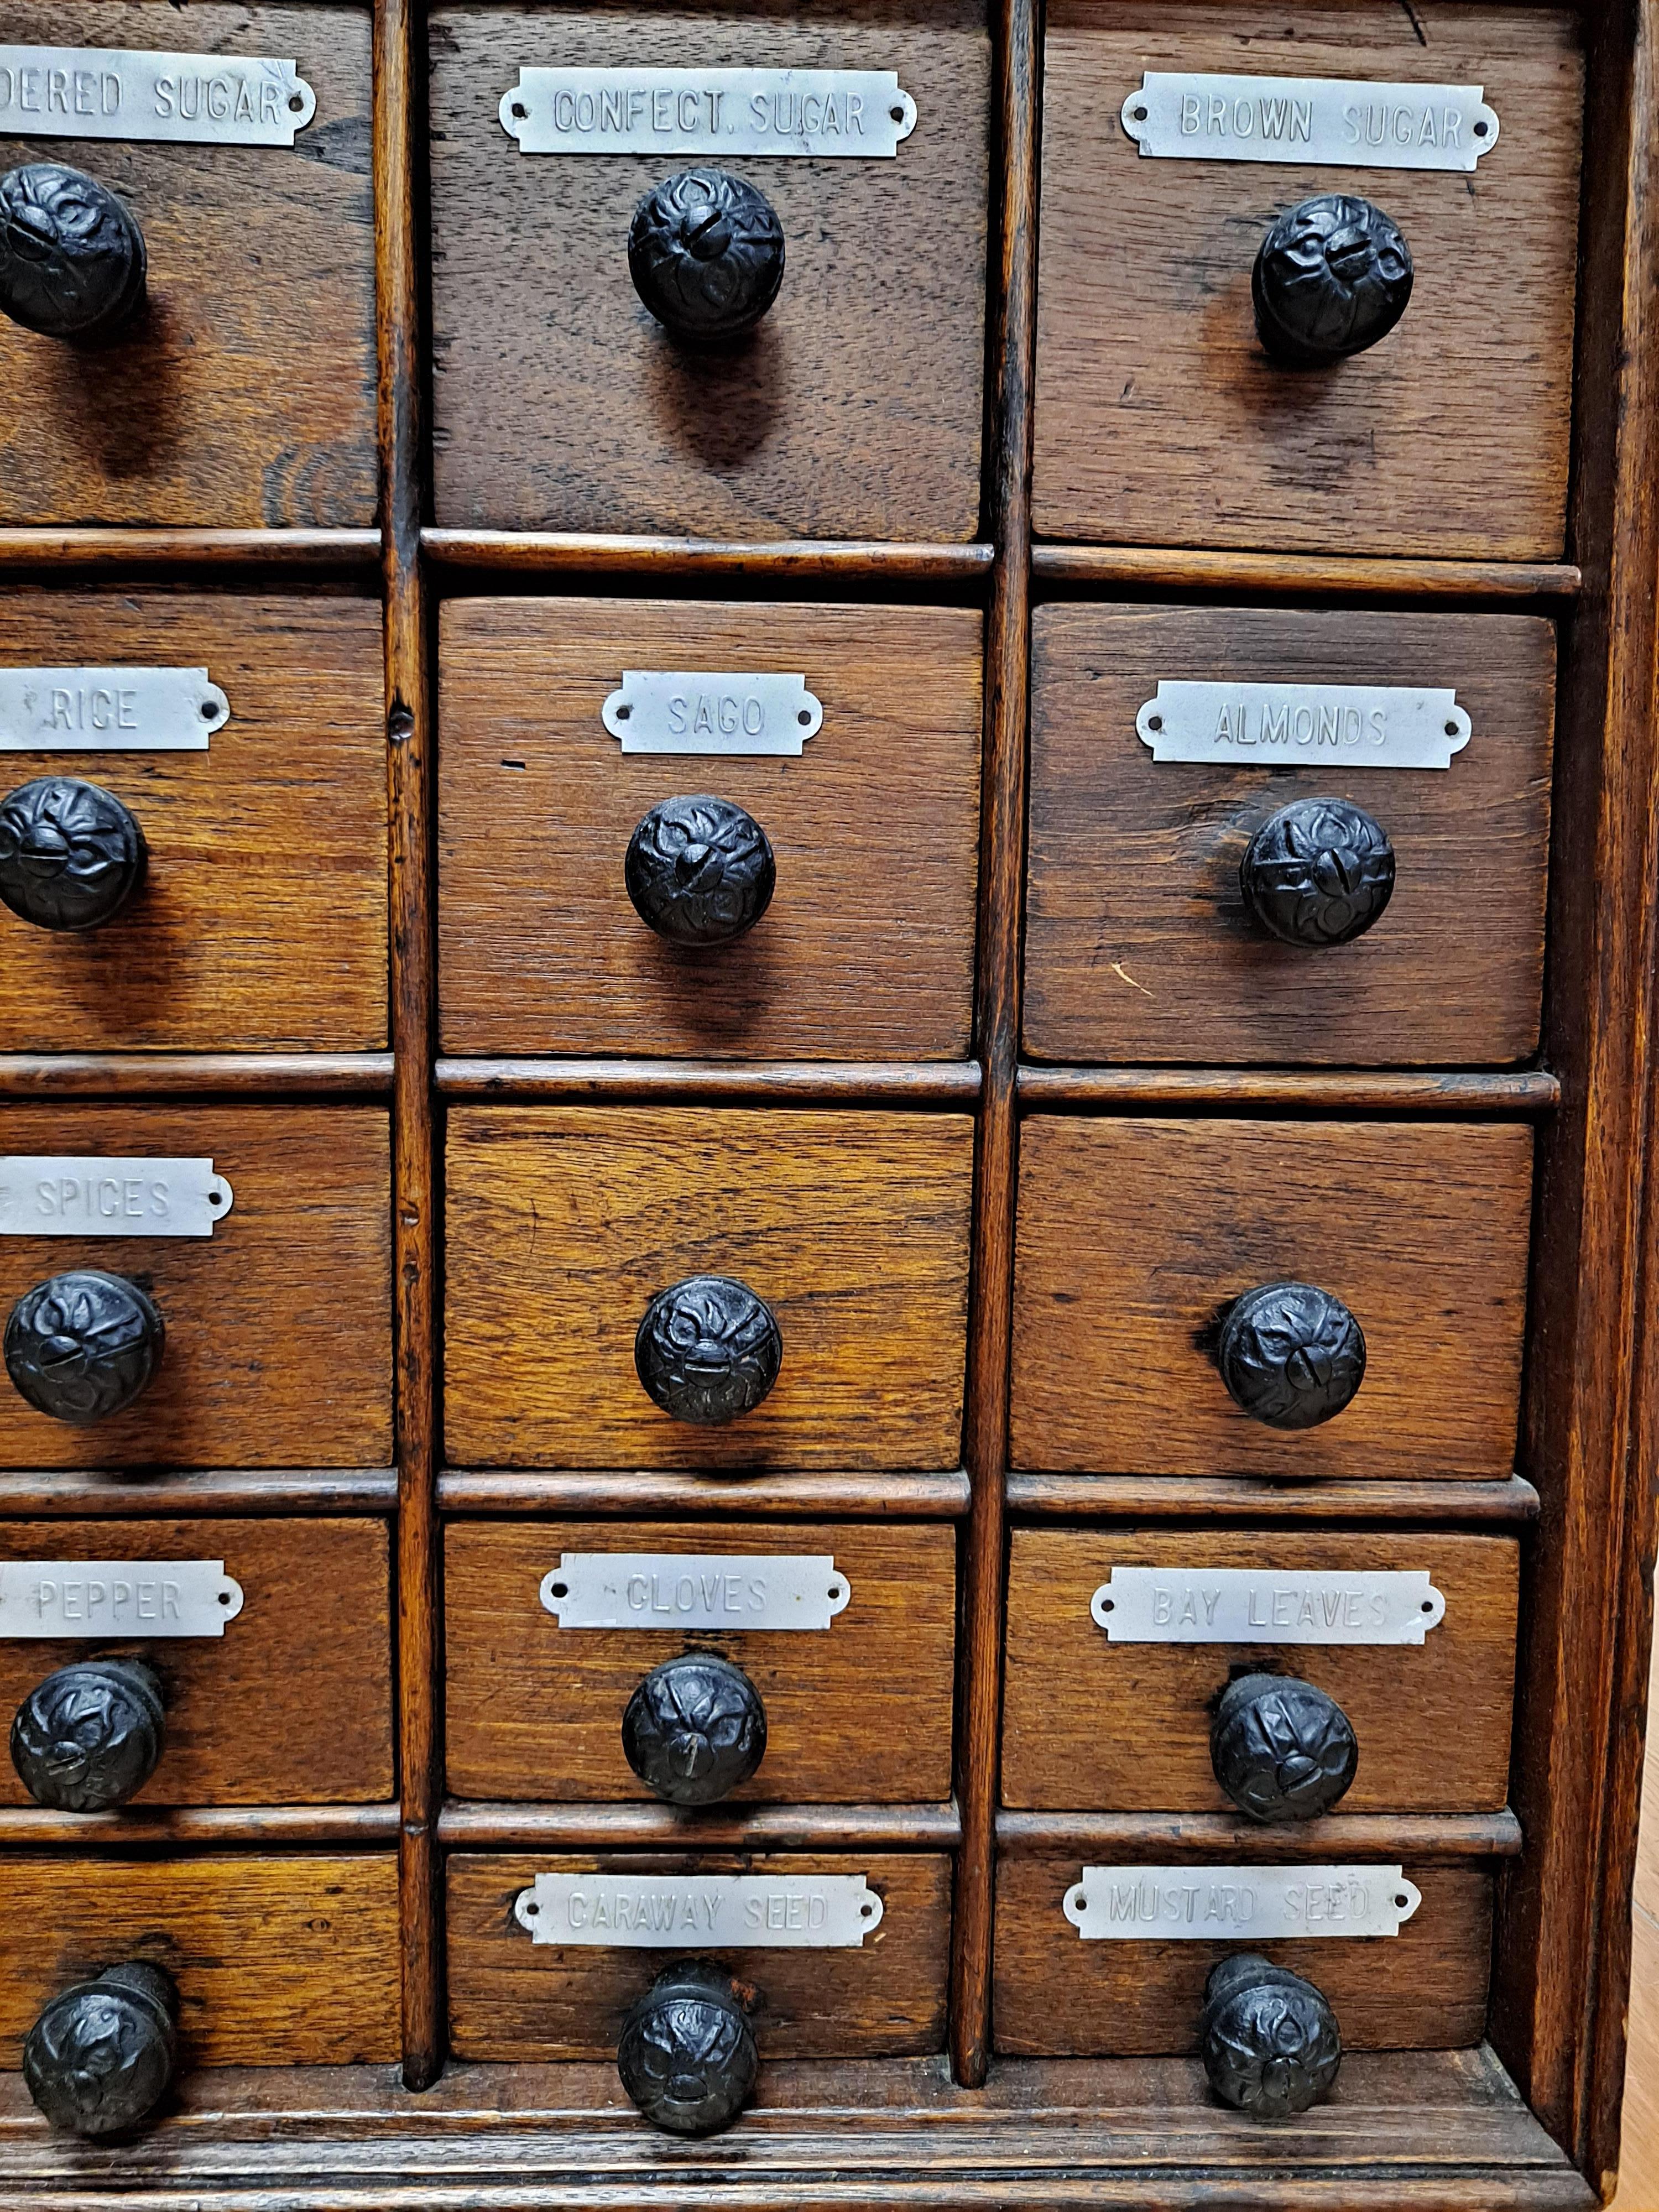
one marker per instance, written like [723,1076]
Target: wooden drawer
[279,1961]
[1138,943]
[1135,1236]
[510,1999]
[564,1224]
[261,922]
[859,1712]
[291,1705]
[278,1326]
[853,408]
[1432,1720]
[1160,421]
[243,394]
[866,950]
[1059,1997]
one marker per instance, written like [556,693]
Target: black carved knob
[1319,871]
[700,871]
[1270,2042]
[705,251]
[70,854]
[71,257]
[1332,276]
[83,1345]
[100,2058]
[1281,1749]
[686,2053]
[709,1350]
[1291,1355]
[88,1737]
[695,1728]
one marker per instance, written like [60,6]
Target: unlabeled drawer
[1139,941]
[565,1225]
[867,949]
[1136,1239]
[1125,1726]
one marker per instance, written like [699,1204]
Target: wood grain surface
[853,411]
[866,950]
[858,1712]
[1432,1719]
[243,395]
[1135,1236]
[1138,943]
[278,1326]
[1160,421]
[510,1998]
[563,1225]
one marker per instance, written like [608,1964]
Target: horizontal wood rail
[195,1074]
[726,1827]
[71,1495]
[1251,1497]
[226,1826]
[316,550]
[557,553]
[1223,1838]
[1312,1090]
[582,1490]
[1322,575]
[695,1082]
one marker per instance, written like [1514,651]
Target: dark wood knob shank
[99,2059]
[1269,2041]
[686,2054]
[71,854]
[705,251]
[1319,871]
[695,1728]
[89,1736]
[700,871]
[1332,276]
[1281,1749]
[709,1350]
[72,259]
[1291,1355]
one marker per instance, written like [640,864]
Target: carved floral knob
[1270,2042]
[700,871]
[709,1350]
[82,1345]
[1332,276]
[100,2056]
[705,251]
[687,2055]
[89,1736]
[1281,1749]
[71,257]
[695,1728]
[1291,1355]
[1319,871]
[70,854]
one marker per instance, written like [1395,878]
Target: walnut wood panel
[1138,943]
[510,1998]
[1135,1236]
[244,394]
[859,1712]
[291,1705]
[852,410]
[1159,420]
[278,1326]
[261,921]
[563,1225]
[278,1961]
[866,950]
[1059,1996]
[1432,1720]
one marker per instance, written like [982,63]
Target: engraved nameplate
[111,92]
[1338,123]
[1230,1904]
[694,1590]
[117,1597]
[678,1911]
[839,113]
[695,711]
[130,710]
[1248,1605]
[75,1196]
[1356,725]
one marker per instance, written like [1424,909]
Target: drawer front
[242,395]
[1138,944]
[1136,1237]
[1160,421]
[260,924]
[857,1712]
[1125,1727]
[564,1224]
[867,950]
[278,1345]
[513,2000]
[852,409]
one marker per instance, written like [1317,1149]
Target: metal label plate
[117,92]
[1230,1904]
[116,1597]
[1356,725]
[74,1196]
[675,1912]
[694,1590]
[702,711]
[1250,1605]
[128,710]
[1341,122]
[835,114]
